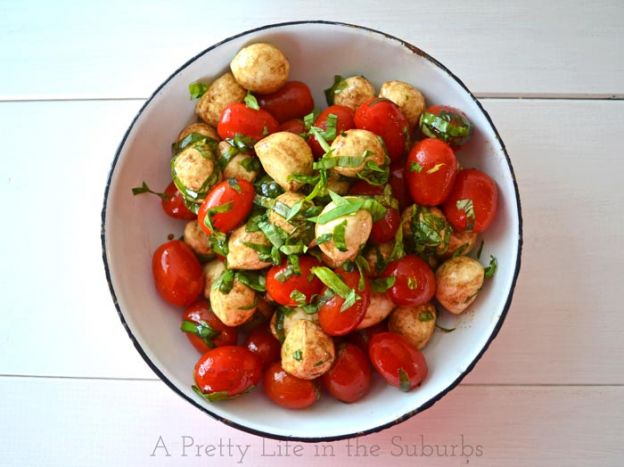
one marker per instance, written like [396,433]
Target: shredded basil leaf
[380,285]
[251,101]
[225,282]
[200,329]
[480,250]
[491,269]
[250,164]
[338,86]
[252,279]
[298,355]
[145,189]
[425,316]
[467,206]
[298,297]
[339,236]
[198,89]
[416,167]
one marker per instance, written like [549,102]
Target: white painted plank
[67,49]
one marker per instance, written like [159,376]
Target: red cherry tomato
[227,371]
[239,194]
[475,189]
[287,390]
[237,118]
[414,281]
[292,100]
[261,342]
[344,122]
[281,288]
[399,362]
[178,276]
[295,126]
[362,337]
[173,204]
[384,118]
[446,123]
[204,329]
[363,188]
[349,379]
[336,322]
[385,228]
[431,168]
[397,182]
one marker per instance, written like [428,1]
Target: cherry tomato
[281,281]
[399,362]
[363,188]
[414,281]
[239,194]
[385,228]
[384,118]
[227,371]
[178,276]
[397,182]
[292,100]
[349,379]
[431,168]
[173,204]
[288,390]
[472,201]
[261,342]
[295,126]
[237,118]
[336,322]
[344,122]
[445,123]
[362,337]
[204,329]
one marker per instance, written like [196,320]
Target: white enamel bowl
[133,227]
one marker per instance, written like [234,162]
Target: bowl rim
[408,414]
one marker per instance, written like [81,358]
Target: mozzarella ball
[458,283]
[212,271]
[354,92]
[354,143]
[288,199]
[235,307]
[409,99]
[337,184]
[199,128]
[236,167]
[415,323]
[283,154]
[307,351]
[425,230]
[223,91]
[241,256]
[197,239]
[288,319]
[378,309]
[261,68]
[377,255]
[194,170]
[462,242]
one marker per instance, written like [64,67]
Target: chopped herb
[350,205]
[234,184]
[280,314]
[425,316]
[200,329]
[145,189]
[339,85]
[319,363]
[324,238]
[404,382]
[480,250]
[250,164]
[467,206]
[339,236]
[416,167]
[461,250]
[267,187]
[491,269]
[298,355]
[219,395]
[308,120]
[412,283]
[362,266]
[298,297]
[336,284]
[251,306]
[198,89]
[218,243]
[443,329]
[398,250]
[225,282]
[435,168]
[252,279]
[382,284]
[215,210]
[251,101]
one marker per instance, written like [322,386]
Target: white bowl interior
[135,226]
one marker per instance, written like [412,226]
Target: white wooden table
[73,391]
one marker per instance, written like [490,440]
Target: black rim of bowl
[407,415]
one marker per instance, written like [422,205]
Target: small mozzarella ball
[378,309]
[261,68]
[240,256]
[197,239]
[354,92]
[288,319]
[307,351]
[235,168]
[235,307]
[288,199]
[458,283]
[430,219]
[462,242]
[377,255]
[409,99]
[212,271]
[415,323]
[199,128]
[283,154]
[223,91]
[193,168]
[354,143]
[338,184]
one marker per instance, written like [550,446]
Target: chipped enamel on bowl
[133,227]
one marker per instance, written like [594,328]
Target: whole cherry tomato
[261,342]
[204,329]
[288,390]
[237,118]
[414,281]
[397,182]
[292,100]
[349,379]
[362,337]
[399,362]
[472,203]
[384,118]
[344,122]
[225,372]
[385,228]
[178,276]
[227,203]
[445,123]
[338,322]
[172,203]
[431,168]
[295,126]
[282,281]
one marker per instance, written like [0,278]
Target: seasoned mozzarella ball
[377,255]
[282,322]
[194,170]
[307,351]
[409,99]
[261,68]
[353,92]
[355,143]
[283,154]
[415,323]
[461,243]
[378,309]
[199,128]
[236,306]
[197,239]
[212,271]
[240,254]
[283,202]
[458,283]
[241,166]
[337,184]
[223,91]
[425,230]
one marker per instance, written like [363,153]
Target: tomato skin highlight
[222,193]
[261,342]
[295,126]
[230,369]
[349,379]
[306,282]
[477,186]
[344,121]
[292,100]
[384,118]
[178,275]
[390,352]
[415,282]
[201,311]
[338,323]
[289,391]
[438,168]
[173,204]
[237,118]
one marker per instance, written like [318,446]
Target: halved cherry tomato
[344,122]
[292,100]
[173,204]
[178,276]
[236,193]
[288,390]
[349,379]
[336,322]
[363,188]
[204,329]
[281,281]
[399,362]
[362,337]
[431,168]
[397,182]
[295,126]
[384,118]
[414,281]
[262,342]
[227,371]
[237,118]
[385,228]
[472,202]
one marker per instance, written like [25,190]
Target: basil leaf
[234,184]
[252,279]
[380,285]
[225,282]
[334,282]
[319,136]
[200,329]
[480,250]
[298,297]
[398,250]
[339,236]
[298,355]
[197,89]
[219,395]
[350,300]
[145,189]
[324,238]
[308,120]
[443,329]
[250,164]
[491,269]
[251,101]
[467,206]
[415,167]
[338,86]
[425,316]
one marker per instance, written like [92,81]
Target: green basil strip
[425,316]
[225,282]
[398,250]
[250,164]
[332,280]
[320,138]
[191,139]
[264,201]
[253,280]
[219,395]
[338,86]
[491,269]
[480,249]
[382,284]
[339,236]
[298,297]
[202,330]
[196,90]
[137,190]
[276,236]
[251,101]
[324,238]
